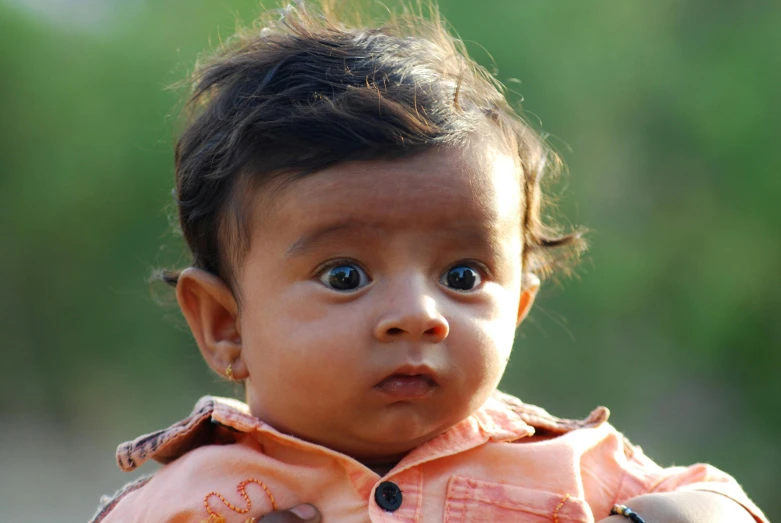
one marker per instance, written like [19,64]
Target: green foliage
[667,114]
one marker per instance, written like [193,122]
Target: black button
[388,496]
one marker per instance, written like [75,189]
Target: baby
[363,210]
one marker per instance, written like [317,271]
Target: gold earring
[229,371]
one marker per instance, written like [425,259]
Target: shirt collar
[221,420]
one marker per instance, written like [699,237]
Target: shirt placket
[397,497]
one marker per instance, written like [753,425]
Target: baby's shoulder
[194,451]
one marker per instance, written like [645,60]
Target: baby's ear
[212,314]
[530,284]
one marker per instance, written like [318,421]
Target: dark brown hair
[303,89]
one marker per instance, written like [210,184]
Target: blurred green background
[667,112]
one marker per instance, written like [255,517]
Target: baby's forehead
[472,187]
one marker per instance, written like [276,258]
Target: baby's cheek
[499,332]
[496,342]
[483,351]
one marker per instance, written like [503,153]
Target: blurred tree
[667,113]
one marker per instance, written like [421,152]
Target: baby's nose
[416,319]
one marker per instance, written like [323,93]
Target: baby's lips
[413,370]
[404,386]
[408,382]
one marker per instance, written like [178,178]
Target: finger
[297,514]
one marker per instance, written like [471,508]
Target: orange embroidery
[241,488]
[556,512]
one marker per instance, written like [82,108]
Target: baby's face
[380,298]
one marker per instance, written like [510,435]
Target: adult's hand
[296,514]
[690,506]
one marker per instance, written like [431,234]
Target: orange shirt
[507,462]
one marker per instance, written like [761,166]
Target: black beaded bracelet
[623,510]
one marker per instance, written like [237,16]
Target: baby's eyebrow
[484,240]
[478,237]
[304,243]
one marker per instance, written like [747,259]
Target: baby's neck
[381,469]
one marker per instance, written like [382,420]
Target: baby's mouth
[407,385]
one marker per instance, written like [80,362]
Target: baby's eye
[344,277]
[461,278]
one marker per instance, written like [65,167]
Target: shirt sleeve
[108,503]
[643,476]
